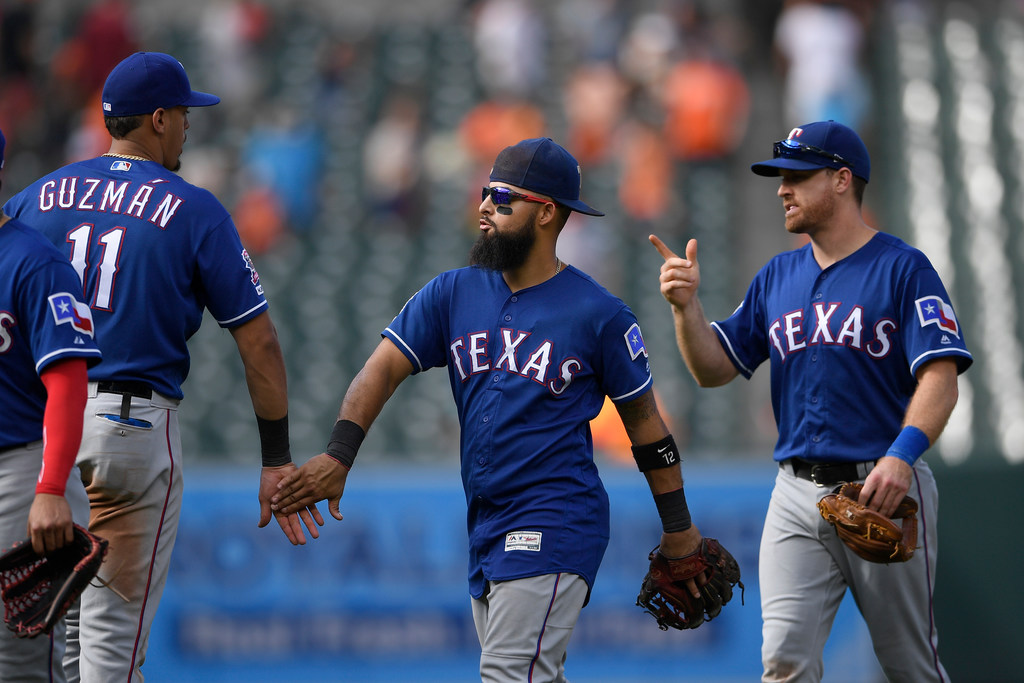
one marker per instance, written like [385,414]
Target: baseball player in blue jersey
[46,343]
[532,346]
[153,252]
[865,350]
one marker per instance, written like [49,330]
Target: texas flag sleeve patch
[932,310]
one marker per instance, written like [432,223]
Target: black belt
[127,390]
[4,449]
[828,473]
[137,389]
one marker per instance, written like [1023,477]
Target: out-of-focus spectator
[593,27]
[335,59]
[509,37]
[106,35]
[89,137]
[595,100]
[259,218]
[392,159]
[707,105]
[488,127]
[819,44]
[19,92]
[286,154]
[231,33]
[647,50]
[647,171]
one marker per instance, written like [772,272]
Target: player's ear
[159,120]
[843,179]
[553,214]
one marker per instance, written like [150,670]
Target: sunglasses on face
[504,196]
[788,148]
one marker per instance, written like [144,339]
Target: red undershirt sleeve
[66,388]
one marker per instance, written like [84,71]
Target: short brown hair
[120,126]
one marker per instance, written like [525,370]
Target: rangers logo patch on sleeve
[635,342]
[67,309]
[253,275]
[933,310]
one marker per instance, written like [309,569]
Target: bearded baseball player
[865,350]
[532,346]
[46,344]
[153,252]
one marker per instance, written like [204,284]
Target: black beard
[503,251]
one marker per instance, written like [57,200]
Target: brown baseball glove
[664,594]
[37,590]
[871,535]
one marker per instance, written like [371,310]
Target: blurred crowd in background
[650,84]
[352,139]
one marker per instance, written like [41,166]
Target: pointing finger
[662,248]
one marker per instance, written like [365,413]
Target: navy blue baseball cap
[147,81]
[545,167]
[822,144]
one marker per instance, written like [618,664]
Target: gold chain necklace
[125,156]
[558,265]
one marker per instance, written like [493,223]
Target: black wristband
[656,455]
[274,441]
[345,440]
[675,515]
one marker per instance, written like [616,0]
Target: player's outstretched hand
[320,478]
[290,523]
[49,523]
[680,277]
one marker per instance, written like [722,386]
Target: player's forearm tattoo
[639,410]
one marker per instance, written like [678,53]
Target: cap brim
[201,99]
[774,167]
[579,207]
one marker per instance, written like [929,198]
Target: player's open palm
[320,478]
[680,277]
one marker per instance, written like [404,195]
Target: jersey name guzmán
[845,344]
[528,371]
[152,251]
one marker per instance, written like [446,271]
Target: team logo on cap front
[932,310]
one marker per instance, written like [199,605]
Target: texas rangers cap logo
[932,310]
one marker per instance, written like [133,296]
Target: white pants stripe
[524,627]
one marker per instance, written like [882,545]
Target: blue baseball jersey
[43,319]
[845,344]
[152,252]
[528,371]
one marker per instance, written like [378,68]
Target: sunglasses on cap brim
[793,149]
